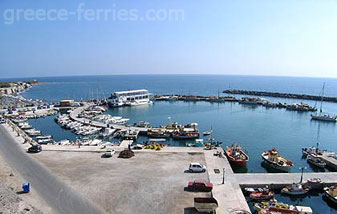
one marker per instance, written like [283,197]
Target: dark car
[200,185]
[35,149]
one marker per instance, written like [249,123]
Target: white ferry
[129,98]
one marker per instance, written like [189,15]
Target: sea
[255,127]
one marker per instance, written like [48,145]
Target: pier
[74,116]
[281,95]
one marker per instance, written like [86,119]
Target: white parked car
[109,153]
[197,167]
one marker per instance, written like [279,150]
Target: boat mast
[320,110]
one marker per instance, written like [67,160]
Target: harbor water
[255,127]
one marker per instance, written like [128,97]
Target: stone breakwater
[282,95]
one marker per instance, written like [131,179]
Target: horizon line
[167,74]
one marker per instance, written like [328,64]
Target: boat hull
[235,161]
[275,166]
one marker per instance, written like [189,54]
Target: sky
[242,37]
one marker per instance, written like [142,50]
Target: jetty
[281,95]
[74,115]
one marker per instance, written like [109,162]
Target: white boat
[33,132]
[275,161]
[108,132]
[45,141]
[316,160]
[323,116]
[95,142]
[207,133]
[26,126]
[295,189]
[130,98]
[43,137]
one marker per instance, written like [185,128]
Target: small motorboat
[331,194]
[316,160]
[309,150]
[265,194]
[249,190]
[314,181]
[197,143]
[205,133]
[295,189]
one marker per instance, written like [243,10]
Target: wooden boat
[275,161]
[295,189]
[280,208]
[316,161]
[157,133]
[265,194]
[331,193]
[236,155]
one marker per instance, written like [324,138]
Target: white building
[129,98]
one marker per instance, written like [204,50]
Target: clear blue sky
[248,37]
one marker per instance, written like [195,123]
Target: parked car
[35,149]
[200,185]
[208,205]
[109,153]
[197,167]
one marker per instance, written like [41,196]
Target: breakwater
[253,101]
[282,95]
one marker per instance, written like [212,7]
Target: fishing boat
[280,208]
[236,155]
[265,194]
[295,189]
[323,116]
[315,160]
[275,161]
[311,150]
[157,133]
[187,132]
[331,194]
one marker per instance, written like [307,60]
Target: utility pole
[302,169]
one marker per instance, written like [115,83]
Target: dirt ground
[11,198]
[147,183]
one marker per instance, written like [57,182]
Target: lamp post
[302,169]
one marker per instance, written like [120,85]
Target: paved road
[60,197]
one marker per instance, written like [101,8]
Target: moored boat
[331,193]
[316,161]
[265,194]
[295,189]
[275,161]
[280,208]
[236,155]
[157,133]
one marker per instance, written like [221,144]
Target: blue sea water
[256,128]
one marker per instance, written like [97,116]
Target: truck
[207,205]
